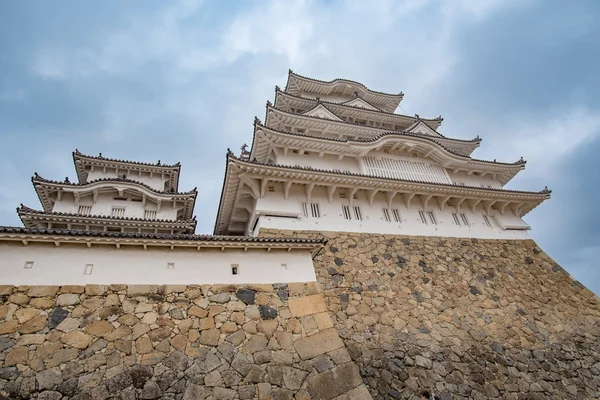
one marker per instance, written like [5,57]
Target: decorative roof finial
[477,138]
[277,89]
[229,152]
[417,117]
[269,104]
[355,93]
[494,160]
[99,155]
[67,179]
[521,159]
[35,174]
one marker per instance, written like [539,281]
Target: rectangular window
[386,215]
[170,265]
[235,269]
[456,220]
[315,211]
[432,217]
[28,265]
[117,212]
[85,210]
[310,210]
[304,209]
[284,266]
[487,221]
[357,213]
[149,214]
[346,211]
[396,215]
[88,269]
[422,215]
[464,219]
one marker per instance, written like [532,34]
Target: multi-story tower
[333,156]
[113,196]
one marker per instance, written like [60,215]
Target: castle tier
[113,196]
[332,156]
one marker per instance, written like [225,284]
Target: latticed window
[346,211]
[422,216]
[464,219]
[84,210]
[396,215]
[118,212]
[149,214]
[407,170]
[456,220]
[310,210]
[357,213]
[487,221]
[386,214]
[432,217]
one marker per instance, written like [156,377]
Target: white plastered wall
[155,182]
[65,265]
[332,219]
[106,201]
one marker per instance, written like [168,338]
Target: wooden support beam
[76,196]
[351,196]
[407,198]
[252,185]
[263,187]
[158,204]
[59,193]
[442,200]
[309,189]
[474,204]
[458,202]
[94,196]
[371,195]
[143,200]
[174,204]
[286,189]
[330,192]
[285,151]
[425,200]
[502,207]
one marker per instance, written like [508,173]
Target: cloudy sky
[183,80]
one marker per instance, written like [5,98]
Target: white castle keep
[330,156]
[333,156]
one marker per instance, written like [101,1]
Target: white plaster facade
[332,156]
[47,264]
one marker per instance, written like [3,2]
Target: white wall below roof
[156,182]
[106,201]
[332,219]
[65,265]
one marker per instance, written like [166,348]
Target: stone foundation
[466,318]
[172,342]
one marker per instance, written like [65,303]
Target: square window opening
[28,265]
[171,265]
[235,269]
[88,269]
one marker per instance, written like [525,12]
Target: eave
[276,119]
[266,140]
[27,236]
[385,101]
[82,161]
[29,217]
[254,175]
[282,99]
[45,190]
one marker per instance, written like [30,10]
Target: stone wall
[478,319]
[172,342]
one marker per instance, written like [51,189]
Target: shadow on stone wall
[216,342]
[470,319]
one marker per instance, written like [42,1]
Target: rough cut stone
[246,295]
[42,291]
[307,305]
[76,339]
[345,376]
[267,312]
[317,344]
[67,299]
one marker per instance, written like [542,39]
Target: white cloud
[49,63]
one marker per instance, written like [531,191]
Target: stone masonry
[466,318]
[217,342]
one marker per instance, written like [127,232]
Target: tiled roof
[38,178]
[159,236]
[438,119]
[22,210]
[344,80]
[476,140]
[309,169]
[388,134]
[102,158]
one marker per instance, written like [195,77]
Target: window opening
[357,213]
[456,220]
[464,219]
[432,217]
[28,265]
[386,214]
[396,215]
[422,215]
[346,211]
[149,214]
[85,210]
[235,269]
[118,212]
[487,221]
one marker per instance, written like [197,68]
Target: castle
[357,254]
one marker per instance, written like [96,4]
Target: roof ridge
[359,108]
[102,158]
[25,209]
[366,126]
[163,236]
[399,133]
[545,190]
[290,73]
[39,178]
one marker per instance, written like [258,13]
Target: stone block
[77,289]
[260,287]
[307,305]
[42,291]
[345,376]
[76,339]
[67,299]
[138,290]
[323,320]
[6,290]
[317,344]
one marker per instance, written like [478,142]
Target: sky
[182,81]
